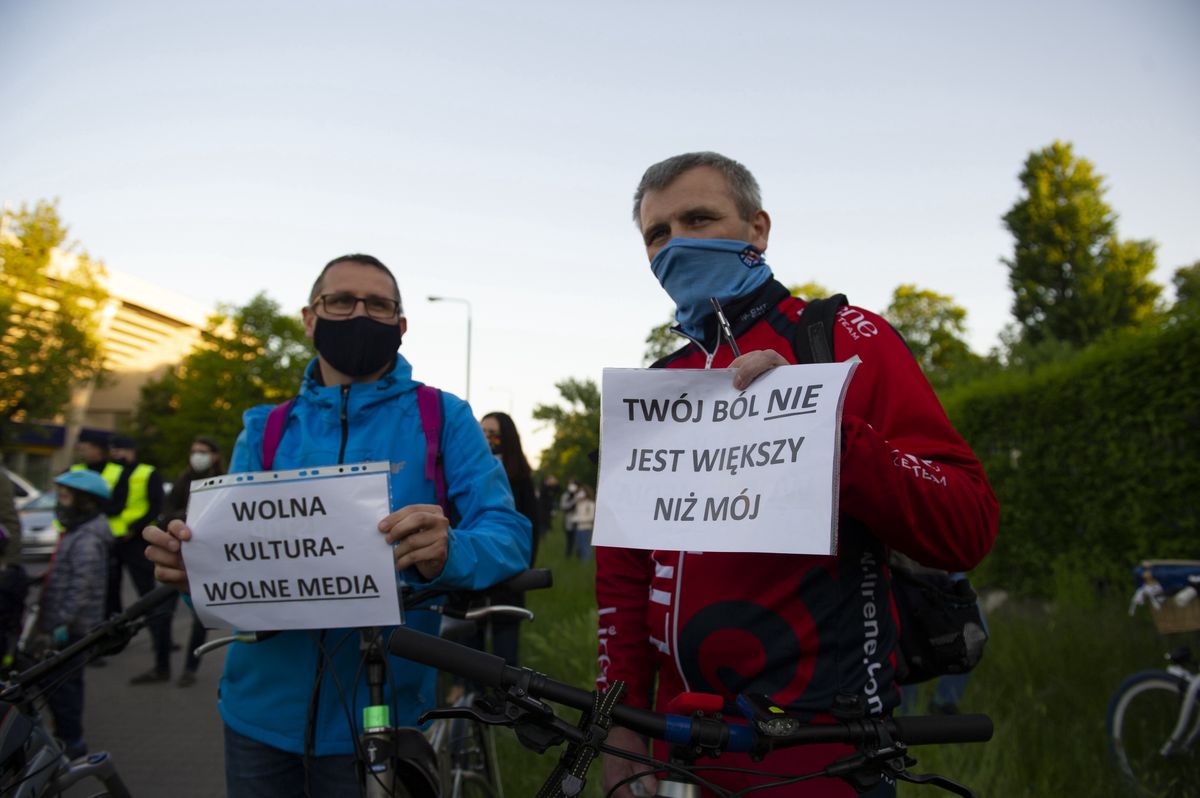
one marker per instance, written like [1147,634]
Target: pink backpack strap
[273,433]
[429,404]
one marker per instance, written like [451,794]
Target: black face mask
[73,515]
[358,346]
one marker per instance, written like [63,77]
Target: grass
[1045,680]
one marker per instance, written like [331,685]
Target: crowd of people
[811,632]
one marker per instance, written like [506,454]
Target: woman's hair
[511,453]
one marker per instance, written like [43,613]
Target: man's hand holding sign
[299,549]
[702,466]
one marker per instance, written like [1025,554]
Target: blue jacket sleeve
[491,541]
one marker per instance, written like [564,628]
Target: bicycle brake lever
[936,780]
[468,713]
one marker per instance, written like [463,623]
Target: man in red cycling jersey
[808,631]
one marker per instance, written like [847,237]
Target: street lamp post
[468,304]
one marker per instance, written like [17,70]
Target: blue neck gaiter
[692,270]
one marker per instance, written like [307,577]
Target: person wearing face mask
[204,461]
[285,701]
[807,631]
[72,600]
[505,443]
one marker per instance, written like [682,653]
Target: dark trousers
[569,529]
[129,553]
[256,770]
[66,703]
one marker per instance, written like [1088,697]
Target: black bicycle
[451,757]
[516,700]
[33,763]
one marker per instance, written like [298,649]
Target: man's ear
[760,226]
[310,320]
[403,326]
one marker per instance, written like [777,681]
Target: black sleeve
[154,494]
[527,505]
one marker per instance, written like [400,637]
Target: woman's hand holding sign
[164,552]
[421,533]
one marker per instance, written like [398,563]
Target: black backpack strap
[813,338]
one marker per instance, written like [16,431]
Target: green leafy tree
[576,432]
[1072,278]
[1187,290]
[933,327]
[247,356]
[48,318]
[662,342]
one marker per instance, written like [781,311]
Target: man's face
[90,453]
[698,205]
[357,280]
[122,455]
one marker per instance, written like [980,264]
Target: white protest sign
[688,463]
[294,549]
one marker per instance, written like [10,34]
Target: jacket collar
[394,382]
[742,314]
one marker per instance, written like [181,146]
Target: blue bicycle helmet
[84,480]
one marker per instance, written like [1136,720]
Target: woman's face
[491,430]
[65,497]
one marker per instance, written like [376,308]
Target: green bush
[1095,460]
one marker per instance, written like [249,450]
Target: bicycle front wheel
[1141,717]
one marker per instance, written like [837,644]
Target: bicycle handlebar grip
[487,669]
[927,730]
[530,579]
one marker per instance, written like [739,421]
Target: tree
[48,338]
[1187,290]
[662,342]
[1072,278]
[933,327]
[249,355]
[576,432]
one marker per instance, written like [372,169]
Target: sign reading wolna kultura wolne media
[689,463]
[294,549]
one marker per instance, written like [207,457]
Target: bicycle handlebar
[115,627]
[708,733]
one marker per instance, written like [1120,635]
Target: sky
[489,151]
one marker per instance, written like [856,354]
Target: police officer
[137,501]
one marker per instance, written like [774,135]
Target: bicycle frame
[1180,739]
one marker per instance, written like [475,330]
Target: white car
[39,536]
[23,490]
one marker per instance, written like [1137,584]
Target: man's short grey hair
[742,185]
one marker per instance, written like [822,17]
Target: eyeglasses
[492,434]
[344,304]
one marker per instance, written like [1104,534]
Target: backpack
[429,405]
[941,625]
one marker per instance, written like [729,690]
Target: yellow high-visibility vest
[111,473]
[137,503]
